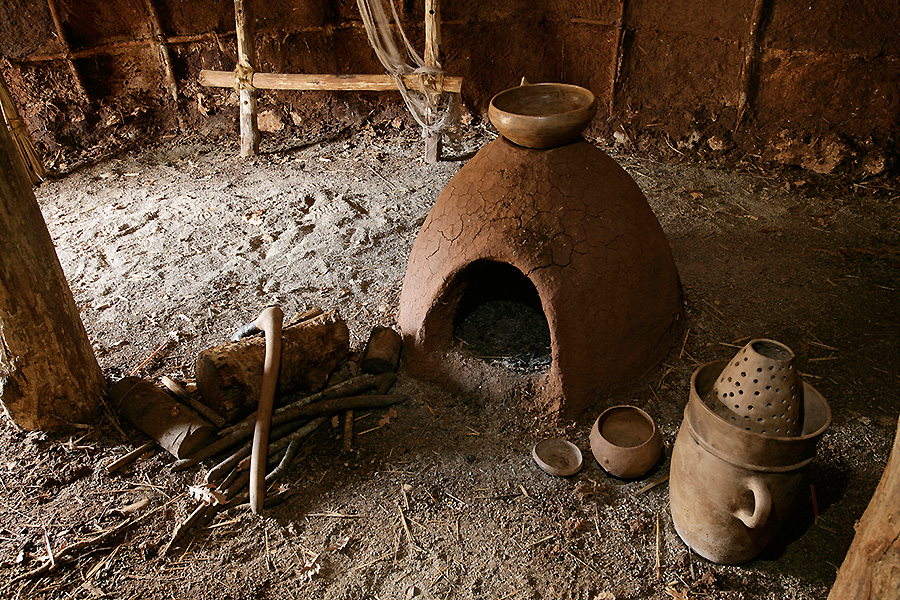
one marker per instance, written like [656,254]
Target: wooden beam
[63,40]
[333,83]
[243,20]
[432,59]
[162,50]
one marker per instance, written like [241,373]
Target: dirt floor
[179,243]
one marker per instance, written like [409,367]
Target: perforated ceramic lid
[758,390]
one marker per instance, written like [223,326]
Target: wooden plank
[332,83]
[243,20]
[432,59]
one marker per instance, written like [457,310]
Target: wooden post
[49,376]
[615,68]
[432,59]
[162,50]
[871,568]
[749,66]
[246,43]
[61,33]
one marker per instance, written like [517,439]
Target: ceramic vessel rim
[575,451]
[642,413]
[788,438]
[591,99]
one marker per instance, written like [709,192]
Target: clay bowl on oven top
[557,457]
[542,115]
[625,441]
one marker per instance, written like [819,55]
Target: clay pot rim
[703,406]
[653,431]
[552,469]
[579,90]
[582,114]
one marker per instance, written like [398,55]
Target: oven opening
[499,317]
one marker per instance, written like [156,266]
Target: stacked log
[229,376]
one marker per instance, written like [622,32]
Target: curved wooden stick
[269,322]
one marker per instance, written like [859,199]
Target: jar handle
[762,505]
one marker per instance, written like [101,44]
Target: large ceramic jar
[730,488]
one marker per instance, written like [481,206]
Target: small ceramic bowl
[542,115]
[558,457]
[625,441]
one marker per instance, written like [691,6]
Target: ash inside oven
[500,319]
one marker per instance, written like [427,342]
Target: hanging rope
[433,108]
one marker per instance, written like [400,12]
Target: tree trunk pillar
[871,568]
[49,376]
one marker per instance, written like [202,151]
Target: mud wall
[821,84]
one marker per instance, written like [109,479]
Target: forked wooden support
[248,81]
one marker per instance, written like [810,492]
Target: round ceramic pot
[730,488]
[625,441]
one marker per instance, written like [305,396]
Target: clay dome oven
[576,225]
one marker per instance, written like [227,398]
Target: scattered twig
[50,556]
[652,485]
[370,563]
[348,431]
[658,565]
[130,457]
[162,347]
[406,526]
[567,551]
[684,343]
[540,541]
[185,525]
[204,411]
[69,550]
